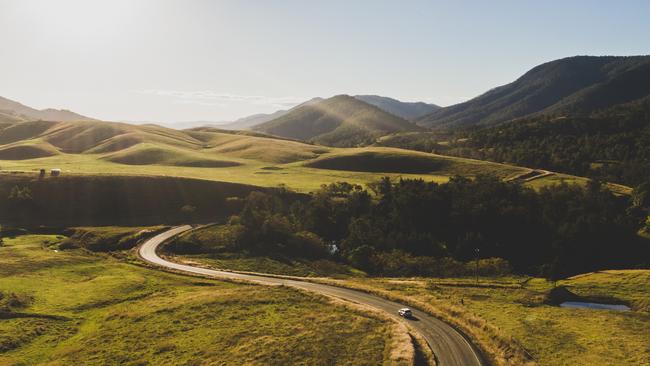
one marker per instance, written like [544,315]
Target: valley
[293,237]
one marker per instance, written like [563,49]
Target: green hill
[338,121]
[580,84]
[389,160]
[248,157]
[145,154]
[25,151]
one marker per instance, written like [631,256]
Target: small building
[55,172]
[41,174]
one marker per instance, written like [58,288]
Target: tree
[20,202]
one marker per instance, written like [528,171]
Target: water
[594,305]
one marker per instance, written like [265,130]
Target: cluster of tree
[115,200]
[413,227]
[612,145]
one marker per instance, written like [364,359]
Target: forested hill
[611,145]
[580,84]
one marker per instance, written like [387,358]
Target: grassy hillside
[570,85]
[505,313]
[146,154]
[91,148]
[338,121]
[9,117]
[27,150]
[514,309]
[388,160]
[70,308]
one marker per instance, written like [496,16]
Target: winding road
[449,346]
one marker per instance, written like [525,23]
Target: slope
[20,111]
[578,84]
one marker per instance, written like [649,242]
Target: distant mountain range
[11,111]
[253,120]
[257,119]
[573,86]
[338,121]
[406,110]
[580,84]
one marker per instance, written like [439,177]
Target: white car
[405,312]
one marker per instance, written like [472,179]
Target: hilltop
[574,85]
[14,111]
[338,121]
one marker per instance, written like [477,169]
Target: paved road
[449,346]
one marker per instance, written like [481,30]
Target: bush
[12,301]
[306,244]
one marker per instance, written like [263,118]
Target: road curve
[449,346]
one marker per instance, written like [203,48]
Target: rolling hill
[406,110]
[338,121]
[573,85]
[14,111]
[248,157]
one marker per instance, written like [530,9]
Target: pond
[594,305]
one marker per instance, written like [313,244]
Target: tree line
[413,227]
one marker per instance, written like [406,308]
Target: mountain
[338,121]
[574,85]
[14,110]
[257,119]
[406,110]
[254,120]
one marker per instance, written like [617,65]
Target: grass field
[71,308]
[93,148]
[512,312]
[514,307]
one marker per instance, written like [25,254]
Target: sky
[202,60]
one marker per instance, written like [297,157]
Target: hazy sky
[157,60]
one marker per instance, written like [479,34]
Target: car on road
[405,312]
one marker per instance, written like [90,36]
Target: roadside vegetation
[63,307]
[108,238]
